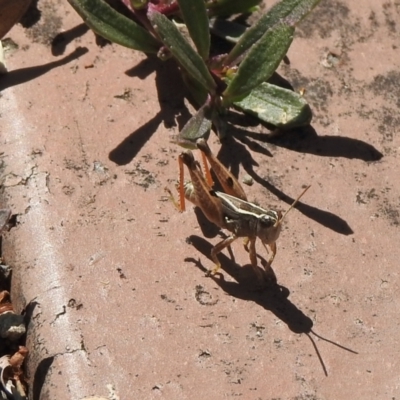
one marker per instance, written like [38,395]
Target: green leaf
[197,91]
[260,63]
[199,126]
[229,7]
[194,14]
[277,106]
[117,28]
[298,9]
[181,50]
[291,11]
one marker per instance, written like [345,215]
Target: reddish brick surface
[120,306]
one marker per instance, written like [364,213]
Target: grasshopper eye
[266,221]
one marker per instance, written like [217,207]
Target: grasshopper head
[269,226]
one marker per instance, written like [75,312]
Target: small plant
[218,82]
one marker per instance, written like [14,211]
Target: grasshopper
[230,209]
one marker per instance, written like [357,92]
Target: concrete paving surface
[119,306]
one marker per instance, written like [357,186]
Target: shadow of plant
[61,40]
[22,75]
[39,379]
[243,156]
[172,107]
[306,140]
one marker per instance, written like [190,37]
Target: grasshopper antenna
[293,204]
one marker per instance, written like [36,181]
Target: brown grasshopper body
[230,209]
